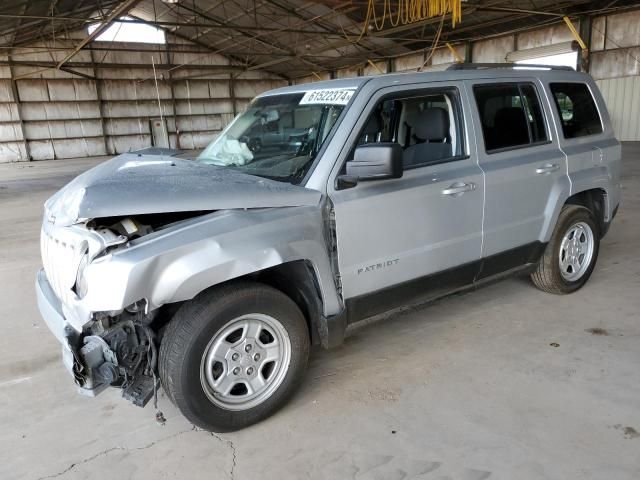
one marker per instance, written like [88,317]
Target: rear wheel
[571,254]
[234,355]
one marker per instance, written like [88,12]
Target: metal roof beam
[239,29]
[210,50]
[38,24]
[295,13]
[137,66]
[213,26]
[122,9]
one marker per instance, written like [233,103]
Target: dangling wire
[152,360]
[406,13]
[434,44]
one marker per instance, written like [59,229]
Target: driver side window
[427,126]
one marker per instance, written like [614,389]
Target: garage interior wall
[55,114]
[615,64]
[614,61]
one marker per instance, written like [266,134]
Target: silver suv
[319,206]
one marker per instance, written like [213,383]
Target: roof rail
[481,66]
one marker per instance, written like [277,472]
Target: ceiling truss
[285,37]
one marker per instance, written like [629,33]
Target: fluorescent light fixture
[562,59]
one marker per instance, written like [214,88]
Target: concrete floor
[467,389]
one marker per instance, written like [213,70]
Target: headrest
[432,124]
[373,125]
[510,117]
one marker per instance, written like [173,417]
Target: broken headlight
[81,279]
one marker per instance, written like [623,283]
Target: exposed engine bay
[140,225]
[120,349]
[117,241]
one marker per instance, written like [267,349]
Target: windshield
[278,136]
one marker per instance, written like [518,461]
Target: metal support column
[103,120]
[173,98]
[16,99]
[585,34]
[232,93]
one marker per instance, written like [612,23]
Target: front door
[392,232]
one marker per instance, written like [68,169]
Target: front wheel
[234,355]
[571,254]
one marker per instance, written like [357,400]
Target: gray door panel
[582,156]
[518,183]
[593,161]
[393,231]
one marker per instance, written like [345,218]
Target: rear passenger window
[511,115]
[577,110]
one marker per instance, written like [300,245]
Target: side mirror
[376,161]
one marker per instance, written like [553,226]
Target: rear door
[522,164]
[393,231]
[591,148]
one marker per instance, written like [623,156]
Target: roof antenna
[164,126]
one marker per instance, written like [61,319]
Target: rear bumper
[51,311]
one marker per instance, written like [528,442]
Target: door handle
[459,188]
[547,168]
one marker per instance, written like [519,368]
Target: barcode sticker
[331,96]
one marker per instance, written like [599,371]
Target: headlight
[81,281]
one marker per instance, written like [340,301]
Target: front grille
[61,254]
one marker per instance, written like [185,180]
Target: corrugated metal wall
[614,62]
[56,115]
[622,96]
[12,145]
[61,118]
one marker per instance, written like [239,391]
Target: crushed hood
[154,181]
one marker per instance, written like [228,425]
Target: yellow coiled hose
[407,12]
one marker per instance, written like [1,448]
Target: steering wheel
[254,143]
[307,142]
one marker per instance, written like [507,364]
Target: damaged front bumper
[117,356]
[51,311]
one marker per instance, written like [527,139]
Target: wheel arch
[299,281]
[595,199]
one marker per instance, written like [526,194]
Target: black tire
[547,276]
[197,322]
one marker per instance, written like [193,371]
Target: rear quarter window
[577,110]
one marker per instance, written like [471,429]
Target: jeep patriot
[320,205]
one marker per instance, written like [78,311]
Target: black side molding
[516,257]
[437,285]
